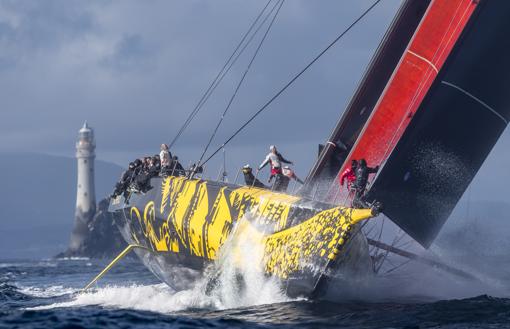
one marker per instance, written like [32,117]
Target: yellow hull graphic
[190,220]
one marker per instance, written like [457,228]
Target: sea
[48,294]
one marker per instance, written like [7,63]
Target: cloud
[129,53]
[135,69]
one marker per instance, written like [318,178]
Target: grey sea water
[46,294]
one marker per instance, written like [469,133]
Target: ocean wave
[10,293]
[73,258]
[47,292]
[155,298]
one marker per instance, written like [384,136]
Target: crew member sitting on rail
[154,166]
[250,179]
[127,180]
[142,179]
[177,168]
[360,184]
[123,183]
[138,164]
[275,159]
[196,169]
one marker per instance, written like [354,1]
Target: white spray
[235,280]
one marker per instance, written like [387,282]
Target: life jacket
[348,175]
[289,173]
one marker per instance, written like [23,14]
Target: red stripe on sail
[431,44]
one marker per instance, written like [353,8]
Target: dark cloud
[134,67]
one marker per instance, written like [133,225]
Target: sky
[135,69]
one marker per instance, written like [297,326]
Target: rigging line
[378,239]
[218,78]
[225,72]
[398,266]
[405,244]
[385,257]
[288,84]
[241,81]
[219,73]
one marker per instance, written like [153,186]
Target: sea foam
[233,280]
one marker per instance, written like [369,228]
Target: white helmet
[272,148]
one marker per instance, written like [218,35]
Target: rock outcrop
[102,238]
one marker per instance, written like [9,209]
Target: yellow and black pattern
[193,218]
[314,242]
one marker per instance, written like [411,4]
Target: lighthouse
[85,192]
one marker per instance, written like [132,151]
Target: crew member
[282,181]
[196,169]
[275,159]
[142,180]
[177,168]
[349,175]
[360,183]
[137,169]
[154,166]
[250,179]
[165,158]
[288,172]
[124,181]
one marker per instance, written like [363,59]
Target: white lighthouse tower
[85,195]
[85,154]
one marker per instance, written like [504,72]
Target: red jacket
[348,174]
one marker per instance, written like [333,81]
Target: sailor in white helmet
[275,159]
[250,179]
[288,172]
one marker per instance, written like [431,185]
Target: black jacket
[250,180]
[362,173]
